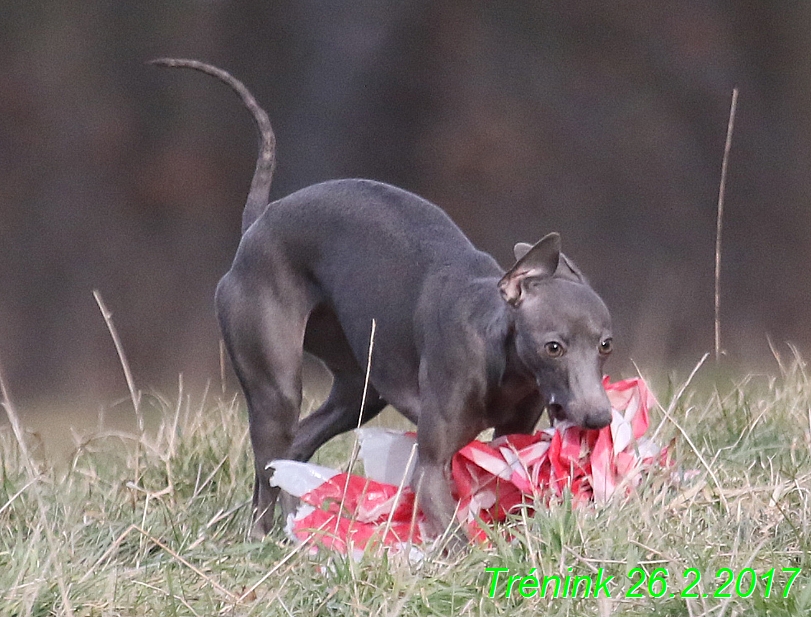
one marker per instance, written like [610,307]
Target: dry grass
[155,524]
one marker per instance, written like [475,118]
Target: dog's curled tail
[266,161]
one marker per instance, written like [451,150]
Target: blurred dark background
[604,121]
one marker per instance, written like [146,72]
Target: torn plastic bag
[340,511]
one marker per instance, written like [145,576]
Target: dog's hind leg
[338,414]
[264,335]
[341,411]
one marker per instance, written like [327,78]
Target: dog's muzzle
[598,420]
[588,415]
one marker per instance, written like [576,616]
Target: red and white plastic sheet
[340,511]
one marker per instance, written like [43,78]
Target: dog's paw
[453,543]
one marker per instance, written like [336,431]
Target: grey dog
[461,345]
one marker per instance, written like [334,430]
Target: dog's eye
[554,349]
[606,346]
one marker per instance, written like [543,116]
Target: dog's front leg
[444,427]
[433,487]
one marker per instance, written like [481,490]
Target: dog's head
[562,331]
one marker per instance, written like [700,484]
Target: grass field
[156,524]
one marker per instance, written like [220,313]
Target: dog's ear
[538,261]
[567,270]
[521,249]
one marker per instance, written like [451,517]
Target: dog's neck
[496,322]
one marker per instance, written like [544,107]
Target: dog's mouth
[555,413]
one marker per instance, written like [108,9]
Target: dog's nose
[598,419]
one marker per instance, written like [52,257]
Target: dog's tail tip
[266,161]
[181,63]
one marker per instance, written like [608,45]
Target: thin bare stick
[33,477]
[17,429]
[356,444]
[398,495]
[135,395]
[719,223]
[222,366]
[368,372]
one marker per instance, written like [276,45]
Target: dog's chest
[509,399]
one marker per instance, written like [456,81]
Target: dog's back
[366,250]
